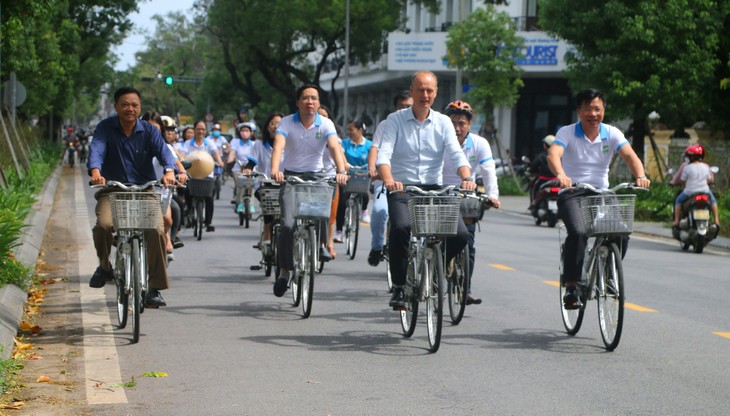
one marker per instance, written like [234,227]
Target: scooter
[545,207]
[696,226]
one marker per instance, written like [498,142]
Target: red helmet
[459,107]
[695,152]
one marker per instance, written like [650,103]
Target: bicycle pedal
[255,267]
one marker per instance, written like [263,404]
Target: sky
[142,22]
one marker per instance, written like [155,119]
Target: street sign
[18,89]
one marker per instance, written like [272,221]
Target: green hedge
[15,203]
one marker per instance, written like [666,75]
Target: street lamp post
[347,62]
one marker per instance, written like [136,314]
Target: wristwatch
[169,170]
[468,179]
[342,172]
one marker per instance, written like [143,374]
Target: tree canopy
[647,55]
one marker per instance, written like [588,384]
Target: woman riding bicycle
[356,148]
[304,134]
[581,153]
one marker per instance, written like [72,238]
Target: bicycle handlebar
[624,185]
[436,192]
[297,179]
[465,193]
[129,186]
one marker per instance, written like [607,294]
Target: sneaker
[571,300]
[472,300]
[338,237]
[252,208]
[365,216]
[153,299]
[281,285]
[324,255]
[100,278]
[239,208]
[398,300]
[210,228]
[374,257]
[177,242]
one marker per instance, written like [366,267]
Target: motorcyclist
[540,169]
[696,177]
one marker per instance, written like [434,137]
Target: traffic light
[168,80]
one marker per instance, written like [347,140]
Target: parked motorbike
[696,226]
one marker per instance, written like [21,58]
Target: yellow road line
[501,267]
[638,308]
[723,334]
[627,305]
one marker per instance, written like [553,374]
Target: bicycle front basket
[434,215]
[312,200]
[201,187]
[270,200]
[135,210]
[608,214]
[358,184]
[243,181]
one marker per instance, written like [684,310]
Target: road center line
[501,266]
[101,360]
[723,334]
[627,305]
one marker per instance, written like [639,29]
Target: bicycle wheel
[274,258]
[136,289]
[193,218]
[296,273]
[307,280]
[200,210]
[610,294]
[432,275]
[409,316]
[458,286]
[246,211]
[354,227]
[122,274]
[572,318]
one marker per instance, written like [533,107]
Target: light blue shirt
[585,161]
[356,154]
[416,151]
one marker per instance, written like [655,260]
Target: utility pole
[347,63]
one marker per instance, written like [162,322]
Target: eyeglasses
[591,109]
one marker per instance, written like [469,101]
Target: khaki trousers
[156,243]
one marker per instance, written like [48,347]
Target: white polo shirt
[261,155]
[242,149]
[479,154]
[416,151]
[305,146]
[585,161]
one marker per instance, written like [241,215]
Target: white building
[545,101]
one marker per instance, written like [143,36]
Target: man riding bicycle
[415,143]
[122,151]
[479,154]
[304,134]
[581,153]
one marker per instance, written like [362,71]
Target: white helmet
[548,140]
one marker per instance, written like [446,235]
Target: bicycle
[133,212]
[472,206]
[198,190]
[244,185]
[269,194]
[357,185]
[433,215]
[607,217]
[312,204]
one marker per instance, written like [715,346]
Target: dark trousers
[342,204]
[286,230]
[400,232]
[577,240]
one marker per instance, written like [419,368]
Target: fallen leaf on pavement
[43,379]
[12,406]
[154,374]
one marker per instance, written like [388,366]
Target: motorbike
[696,225]
[71,152]
[83,150]
[545,207]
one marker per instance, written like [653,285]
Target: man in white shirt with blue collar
[304,134]
[581,153]
[415,142]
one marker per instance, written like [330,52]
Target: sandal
[169,247]
[332,251]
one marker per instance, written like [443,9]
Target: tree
[647,55]
[485,46]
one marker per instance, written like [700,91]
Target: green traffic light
[168,80]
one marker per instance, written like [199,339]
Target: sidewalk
[519,204]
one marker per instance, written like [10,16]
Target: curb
[12,298]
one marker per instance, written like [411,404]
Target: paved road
[229,347]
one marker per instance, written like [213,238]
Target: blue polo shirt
[128,159]
[356,154]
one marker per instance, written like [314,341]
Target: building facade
[545,102]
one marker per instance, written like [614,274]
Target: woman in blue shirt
[356,148]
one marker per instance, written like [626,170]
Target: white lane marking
[101,360]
